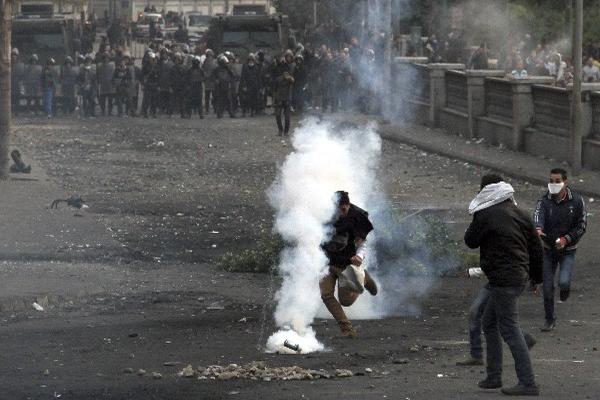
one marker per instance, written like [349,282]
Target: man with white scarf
[510,256]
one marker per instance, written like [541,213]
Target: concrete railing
[526,115]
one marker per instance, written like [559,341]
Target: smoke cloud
[328,157]
[325,159]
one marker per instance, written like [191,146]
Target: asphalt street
[167,198]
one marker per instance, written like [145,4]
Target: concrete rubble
[258,370]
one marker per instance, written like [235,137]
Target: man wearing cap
[346,247]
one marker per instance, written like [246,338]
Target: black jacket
[342,245]
[561,218]
[510,249]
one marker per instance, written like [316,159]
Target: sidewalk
[510,163]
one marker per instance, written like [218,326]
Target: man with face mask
[510,256]
[345,250]
[560,220]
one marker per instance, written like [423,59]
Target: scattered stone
[128,370]
[343,373]
[37,307]
[156,375]
[46,372]
[172,363]
[401,361]
[141,372]
[188,372]
[415,348]
[368,370]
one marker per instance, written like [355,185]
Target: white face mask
[555,188]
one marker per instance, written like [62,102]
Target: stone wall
[526,115]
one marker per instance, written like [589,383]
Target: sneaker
[488,383]
[471,361]
[530,340]
[548,326]
[564,294]
[522,390]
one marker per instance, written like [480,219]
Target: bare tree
[5,107]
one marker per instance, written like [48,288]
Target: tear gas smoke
[324,161]
[327,158]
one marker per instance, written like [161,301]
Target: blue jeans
[475,314]
[48,100]
[552,260]
[501,319]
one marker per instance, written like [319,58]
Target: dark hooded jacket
[510,249]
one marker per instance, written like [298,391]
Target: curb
[511,172]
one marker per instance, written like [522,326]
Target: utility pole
[387,64]
[576,120]
[5,104]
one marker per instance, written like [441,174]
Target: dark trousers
[132,105]
[68,104]
[501,320]
[89,104]
[121,99]
[552,261]
[150,101]
[104,100]
[209,98]
[165,102]
[283,108]
[223,101]
[195,104]
[475,315]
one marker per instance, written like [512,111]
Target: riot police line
[175,80]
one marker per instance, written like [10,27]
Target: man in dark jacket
[250,85]
[223,78]
[560,220]
[195,89]
[179,85]
[510,255]
[283,83]
[346,247]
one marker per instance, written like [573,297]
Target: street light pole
[5,98]
[576,122]
[387,73]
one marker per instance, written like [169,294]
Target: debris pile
[258,370]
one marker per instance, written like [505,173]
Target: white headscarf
[491,195]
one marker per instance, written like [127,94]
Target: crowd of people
[180,79]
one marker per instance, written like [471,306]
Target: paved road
[159,189]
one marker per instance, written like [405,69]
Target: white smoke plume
[325,159]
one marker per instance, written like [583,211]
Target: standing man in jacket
[510,255]
[560,221]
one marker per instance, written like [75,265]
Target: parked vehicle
[197,25]
[142,27]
